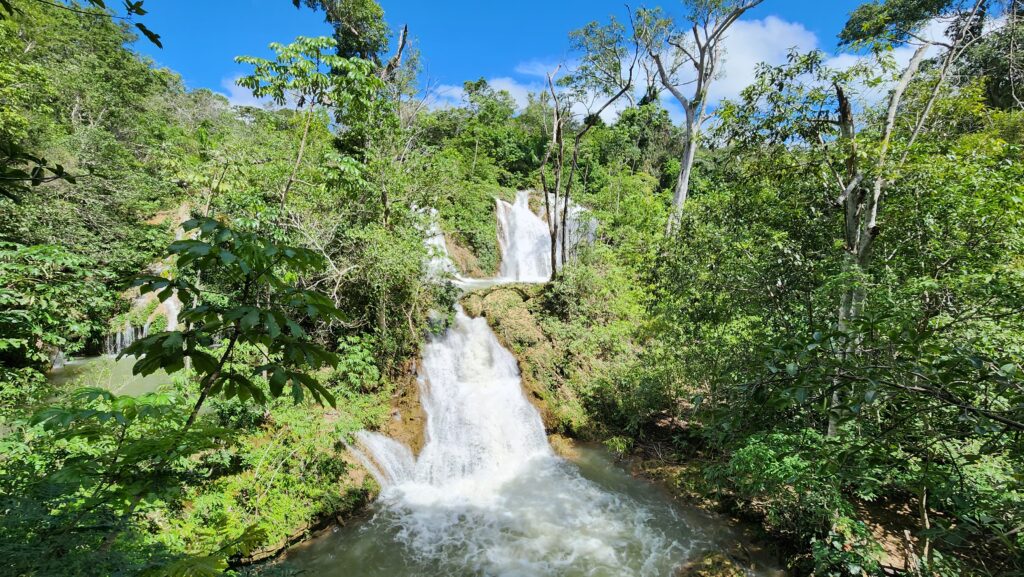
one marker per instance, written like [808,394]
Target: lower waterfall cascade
[487,495]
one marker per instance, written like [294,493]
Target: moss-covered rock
[468,263]
[713,564]
[564,446]
[407,422]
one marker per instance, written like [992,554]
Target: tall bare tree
[687,55]
[606,73]
[861,198]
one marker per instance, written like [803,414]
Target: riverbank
[277,474]
[355,490]
[555,380]
[666,450]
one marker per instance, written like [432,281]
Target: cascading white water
[121,339]
[439,264]
[480,428]
[172,308]
[487,495]
[524,241]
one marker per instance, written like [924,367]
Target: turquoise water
[109,373]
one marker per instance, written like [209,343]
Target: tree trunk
[861,207]
[685,170]
[382,317]
[299,155]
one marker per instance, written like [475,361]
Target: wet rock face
[713,564]
[406,422]
[467,262]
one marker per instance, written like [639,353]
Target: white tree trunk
[682,189]
[861,224]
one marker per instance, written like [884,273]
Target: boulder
[712,564]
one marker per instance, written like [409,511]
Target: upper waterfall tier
[524,240]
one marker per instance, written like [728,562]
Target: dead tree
[604,81]
[679,52]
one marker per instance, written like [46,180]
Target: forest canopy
[803,306]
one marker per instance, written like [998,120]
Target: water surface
[588,517]
[107,372]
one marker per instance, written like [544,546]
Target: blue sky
[507,43]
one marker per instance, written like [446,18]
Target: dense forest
[802,308]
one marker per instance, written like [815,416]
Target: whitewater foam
[487,495]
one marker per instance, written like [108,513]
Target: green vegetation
[809,312]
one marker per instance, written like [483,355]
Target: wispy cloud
[538,68]
[238,95]
[750,42]
[444,96]
[448,95]
[518,90]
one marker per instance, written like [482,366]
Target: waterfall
[123,337]
[487,495]
[524,241]
[172,308]
[439,264]
[480,428]
[117,341]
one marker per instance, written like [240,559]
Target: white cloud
[538,68]
[449,95]
[516,89]
[444,96]
[750,42]
[238,95]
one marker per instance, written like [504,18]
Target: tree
[359,27]
[20,168]
[50,300]
[305,73]
[9,9]
[689,55]
[928,380]
[892,22]
[260,311]
[996,58]
[605,74]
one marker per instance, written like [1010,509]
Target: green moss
[158,324]
[136,316]
[712,565]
